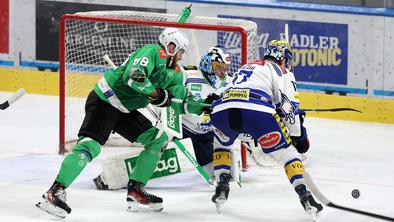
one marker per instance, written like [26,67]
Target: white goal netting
[87,36]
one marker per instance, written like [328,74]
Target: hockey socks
[144,167]
[154,144]
[74,163]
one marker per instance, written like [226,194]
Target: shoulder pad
[190,67]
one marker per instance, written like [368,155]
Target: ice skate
[221,192]
[308,202]
[54,201]
[140,201]
[99,183]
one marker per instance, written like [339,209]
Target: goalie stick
[340,109]
[17,95]
[325,201]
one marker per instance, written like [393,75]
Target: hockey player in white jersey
[262,101]
[203,82]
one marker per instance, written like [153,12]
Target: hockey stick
[287,33]
[175,100]
[332,110]
[17,95]
[192,160]
[325,201]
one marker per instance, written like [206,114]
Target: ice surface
[344,156]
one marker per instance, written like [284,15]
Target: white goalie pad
[115,170]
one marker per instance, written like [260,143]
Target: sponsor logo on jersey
[190,67]
[242,94]
[192,73]
[270,140]
[195,87]
[221,136]
[162,54]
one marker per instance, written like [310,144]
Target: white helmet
[175,36]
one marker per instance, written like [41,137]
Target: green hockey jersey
[128,86]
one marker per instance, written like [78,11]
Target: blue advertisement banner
[320,50]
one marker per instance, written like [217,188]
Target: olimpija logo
[167,165]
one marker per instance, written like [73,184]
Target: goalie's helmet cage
[280,49]
[173,35]
[86,37]
[221,58]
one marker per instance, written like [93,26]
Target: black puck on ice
[355,193]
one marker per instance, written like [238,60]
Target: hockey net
[86,37]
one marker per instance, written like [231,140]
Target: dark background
[47,23]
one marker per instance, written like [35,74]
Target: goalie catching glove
[164,99]
[301,143]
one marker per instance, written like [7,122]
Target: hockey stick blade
[194,162]
[325,201]
[332,110]
[18,94]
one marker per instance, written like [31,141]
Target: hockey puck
[355,193]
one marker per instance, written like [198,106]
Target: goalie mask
[280,49]
[214,66]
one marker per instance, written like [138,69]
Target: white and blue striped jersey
[264,86]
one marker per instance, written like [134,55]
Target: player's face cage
[220,69]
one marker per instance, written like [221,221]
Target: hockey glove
[209,100]
[301,143]
[164,98]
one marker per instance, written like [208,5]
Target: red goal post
[86,37]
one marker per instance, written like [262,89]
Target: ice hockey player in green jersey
[149,75]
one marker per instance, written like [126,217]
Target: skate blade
[219,207]
[219,203]
[135,207]
[57,212]
[312,211]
